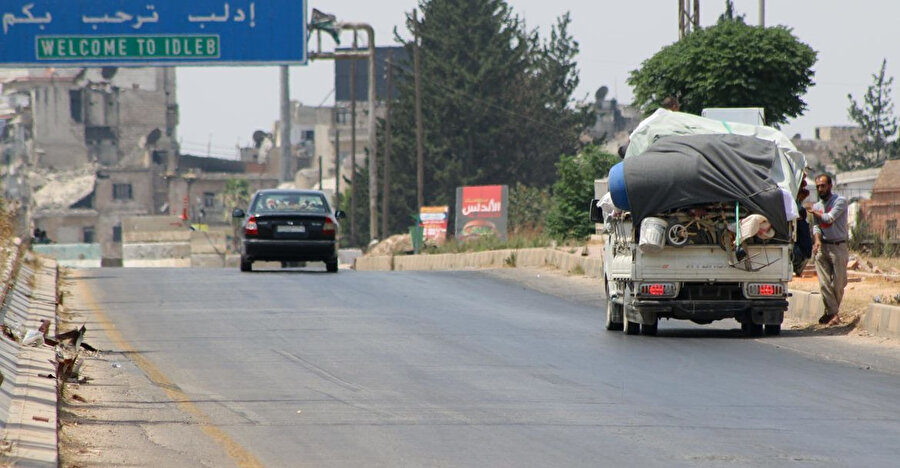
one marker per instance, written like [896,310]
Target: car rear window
[290,202]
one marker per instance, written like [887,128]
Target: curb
[28,397]
[879,319]
[536,257]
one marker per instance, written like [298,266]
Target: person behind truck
[803,246]
[830,250]
[671,103]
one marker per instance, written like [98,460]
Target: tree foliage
[496,102]
[235,195]
[729,64]
[528,208]
[878,125]
[569,216]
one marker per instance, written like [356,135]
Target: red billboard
[480,211]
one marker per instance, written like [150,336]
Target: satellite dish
[601,93]
[153,136]
[258,137]
[108,72]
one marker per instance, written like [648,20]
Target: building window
[209,200]
[890,228]
[122,192]
[308,135]
[75,105]
[117,233]
[87,235]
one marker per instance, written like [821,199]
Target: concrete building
[882,211]
[855,185]
[88,208]
[68,118]
[614,122]
[828,142]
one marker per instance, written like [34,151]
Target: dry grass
[858,294]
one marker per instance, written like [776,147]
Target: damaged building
[85,148]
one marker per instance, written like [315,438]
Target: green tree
[878,123]
[235,195]
[729,64]
[569,216]
[496,103]
[362,213]
[528,208]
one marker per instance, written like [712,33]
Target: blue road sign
[77,33]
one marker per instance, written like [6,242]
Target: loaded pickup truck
[699,225]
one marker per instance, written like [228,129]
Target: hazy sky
[225,105]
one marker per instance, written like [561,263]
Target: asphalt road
[305,368]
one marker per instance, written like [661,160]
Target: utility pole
[337,167]
[762,13]
[284,174]
[372,146]
[353,142]
[688,17]
[420,145]
[320,172]
[385,203]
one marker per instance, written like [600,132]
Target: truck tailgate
[711,263]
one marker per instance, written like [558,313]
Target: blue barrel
[617,187]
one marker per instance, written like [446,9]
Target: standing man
[830,247]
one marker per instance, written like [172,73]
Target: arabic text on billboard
[434,222]
[481,211]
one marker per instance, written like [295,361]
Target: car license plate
[284,228]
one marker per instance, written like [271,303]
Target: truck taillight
[251,229]
[765,290]
[329,228]
[658,290]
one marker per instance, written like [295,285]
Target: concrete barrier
[72,255]
[805,306]
[536,257]
[28,399]
[881,320]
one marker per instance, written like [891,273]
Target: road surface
[305,368]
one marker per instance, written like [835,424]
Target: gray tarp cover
[679,171]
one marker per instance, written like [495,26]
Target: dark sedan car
[289,226]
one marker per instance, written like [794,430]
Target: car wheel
[331,267]
[773,329]
[246,265]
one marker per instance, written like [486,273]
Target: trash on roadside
[116,365]
[13,330]
[33,338]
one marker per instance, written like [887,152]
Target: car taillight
[251,229]
[658,289]
[329,228]
[765,290]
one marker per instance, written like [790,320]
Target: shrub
[573,190]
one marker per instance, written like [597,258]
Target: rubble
[396,244]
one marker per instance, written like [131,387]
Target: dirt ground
[120,416]
[863,288]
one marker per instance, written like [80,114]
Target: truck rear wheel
[613,311]
[751,329]
[773,329]
[631,328]
[649,329]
